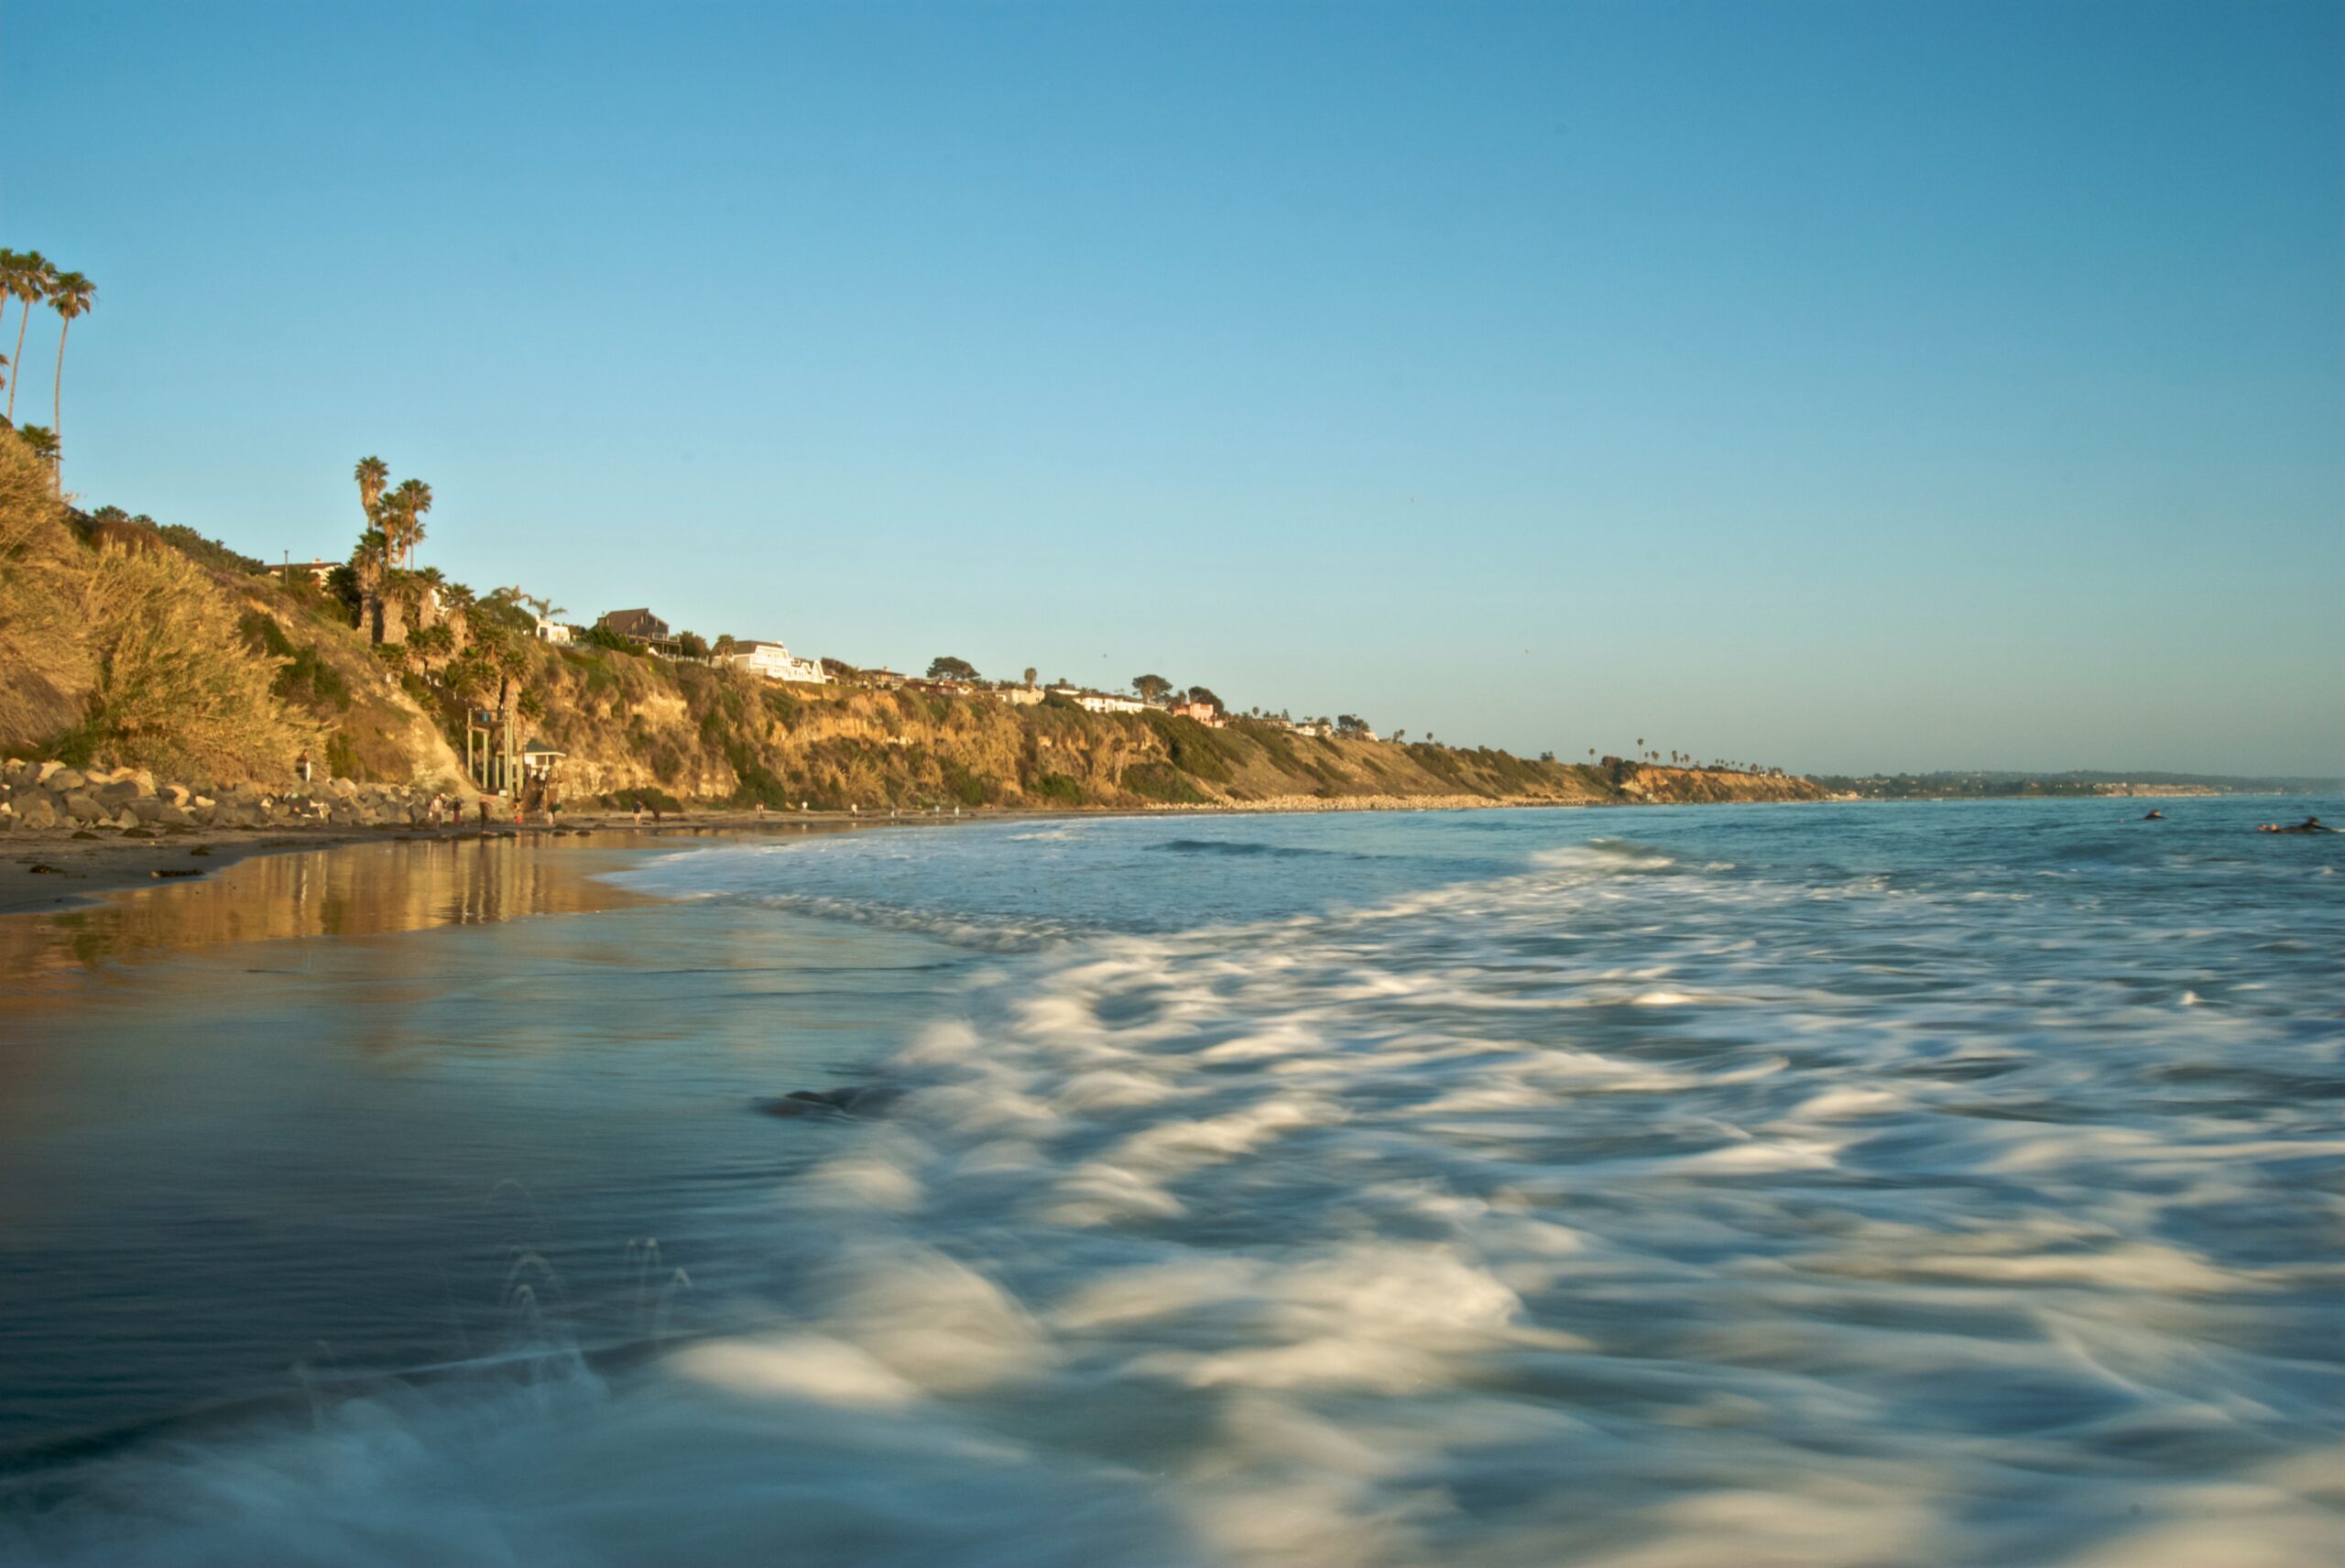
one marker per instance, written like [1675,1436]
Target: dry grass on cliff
[44,670]
[125,654]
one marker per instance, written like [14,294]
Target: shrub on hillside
[178,690]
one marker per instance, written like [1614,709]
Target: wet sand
[104,901]
[52,870]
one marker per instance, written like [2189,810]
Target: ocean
[1846,1184]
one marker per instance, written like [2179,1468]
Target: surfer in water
[2155,817]
[2310,824]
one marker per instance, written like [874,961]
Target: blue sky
[1833,385]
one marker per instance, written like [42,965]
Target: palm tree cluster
[30,278]
[1687,759]
[394,512]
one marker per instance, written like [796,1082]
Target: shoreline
[91,864]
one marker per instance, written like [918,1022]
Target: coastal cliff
[664,731]
[128,647]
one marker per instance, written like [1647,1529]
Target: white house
[554,631]
[775,662]
[1018,696]
[1106,703]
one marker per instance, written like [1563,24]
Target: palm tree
[26,277]
[9,262]
[70,295]
[414,498]
[372,474]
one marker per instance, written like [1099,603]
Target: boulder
[48,770]
[38,810]
[176,794]
[150,808]
[172,816]
[115,792]
[82,809]
[64,780]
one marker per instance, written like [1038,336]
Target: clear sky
[1837,386]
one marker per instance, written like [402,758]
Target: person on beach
[302,763]
[483,814]
[639,811]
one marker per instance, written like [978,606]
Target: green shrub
[1161,781]
[263,635]
[599,636]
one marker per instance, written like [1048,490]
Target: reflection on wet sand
[347,891]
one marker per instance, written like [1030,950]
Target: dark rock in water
[39,869]
[854,1100]
[177,871]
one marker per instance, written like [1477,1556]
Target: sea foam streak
[1425,1234]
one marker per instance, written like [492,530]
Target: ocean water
[1940,1184]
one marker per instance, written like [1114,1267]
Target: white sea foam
[1637,1209]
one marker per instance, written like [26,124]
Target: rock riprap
[41,796]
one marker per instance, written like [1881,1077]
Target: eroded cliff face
[1688,785]
[683,732]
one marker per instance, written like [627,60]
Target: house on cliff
[642,627]
[776,662]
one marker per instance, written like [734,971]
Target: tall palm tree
[414,498]
[9,261]
[70,295]
[372,474]
[28,281]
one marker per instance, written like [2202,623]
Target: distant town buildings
[1099,701]
[1205,714]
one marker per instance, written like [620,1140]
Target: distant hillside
[1993,784]
[124,644]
